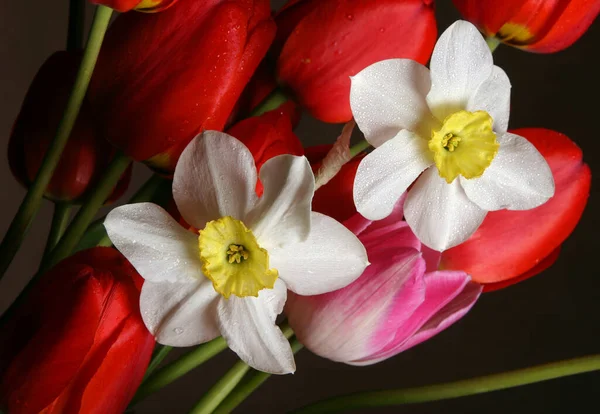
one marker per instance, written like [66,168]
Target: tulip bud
[543,26]
[147,6]
[77,344]
[510,246]
[86,154]
[321,43]
[163,78]
[391,307]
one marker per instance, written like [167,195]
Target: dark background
[548,318]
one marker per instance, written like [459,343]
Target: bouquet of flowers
[244,238]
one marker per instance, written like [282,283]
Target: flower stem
[273,101]
[158,356]
[76,23]
[455,389]
[180,367]
[88,210]
[95,235]
[493,42]
[359,147]
[221,389]
[250,384]
[60,219]
[32,201]
[229,381]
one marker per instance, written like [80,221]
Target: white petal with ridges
[389,96]
[460,63]
[385,174]
[440,214]
[519,178]
[215,177]
[282,215]
[329,259]
[155,244]
[493,96]
[180,314]
[248,325]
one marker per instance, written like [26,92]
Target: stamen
[236,253]
[450,141]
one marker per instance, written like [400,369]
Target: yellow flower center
[233,260]
[236,253]
[464,145]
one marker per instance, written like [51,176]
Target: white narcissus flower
[231,277]
[446,128]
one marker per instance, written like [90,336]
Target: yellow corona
[464,145]
[233,260]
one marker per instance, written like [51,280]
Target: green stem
[158,356]
[86,213]
[32,201]
[180,367]
[493,42]
[60,219]
[273,101]
[359,147]
[88,210]
[221,389]
[76,23]
[455,389]
[95,235]
[250,384]
[229,381]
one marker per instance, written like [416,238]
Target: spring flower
[190,66]
[86,154]
[446,128]
[231,277]
[394,305]
[77,344]
[543,26]
[320,44]
[526,242]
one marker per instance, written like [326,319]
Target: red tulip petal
[538,268]
[190,65]
[543,26]
[510,243]
[339,38]
[78,342]
[267,136]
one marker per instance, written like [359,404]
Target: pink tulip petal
[442,287]
[449,314]
[328,324]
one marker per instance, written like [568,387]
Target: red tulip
[543,26]
[78,343]
[148,6]
[513,245]
[268,135]
[162,79]
[321,43]
[86,154]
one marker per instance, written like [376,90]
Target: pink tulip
[395,304]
